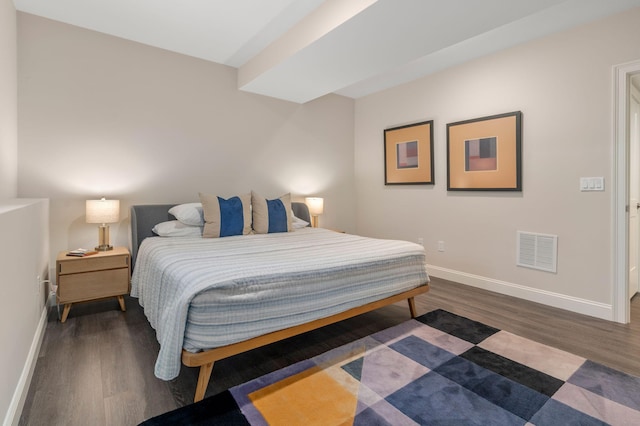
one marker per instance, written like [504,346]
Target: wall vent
[537,251]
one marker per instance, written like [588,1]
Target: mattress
[202,293]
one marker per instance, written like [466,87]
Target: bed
[212,298]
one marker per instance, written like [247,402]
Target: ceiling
[299,50]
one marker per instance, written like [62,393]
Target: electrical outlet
[38,284]
[421,241]
[440,245]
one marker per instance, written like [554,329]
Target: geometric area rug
[439,368]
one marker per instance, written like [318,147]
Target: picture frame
[485,154]
[408,154]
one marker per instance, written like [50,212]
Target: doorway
[622,243]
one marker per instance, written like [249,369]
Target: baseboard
[20,394]
[557,300]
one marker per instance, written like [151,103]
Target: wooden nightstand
[98,276]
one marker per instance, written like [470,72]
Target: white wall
[24,243]
[8,101]
[24,253]
[102,116]
[563,86]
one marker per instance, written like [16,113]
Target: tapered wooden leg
[203,381]
[123,307]
[65,312]
[412,307]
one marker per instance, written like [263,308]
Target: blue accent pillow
[277,216]
[269,216]
[231,218]
[226,217]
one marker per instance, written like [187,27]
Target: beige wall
[8,101]
[563,86]
[102,116]
[24,227]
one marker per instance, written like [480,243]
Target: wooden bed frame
[142,220]
[205,359]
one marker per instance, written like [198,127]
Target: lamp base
[103,238]
[314,221]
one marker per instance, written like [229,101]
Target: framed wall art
[485,154]
[408,154]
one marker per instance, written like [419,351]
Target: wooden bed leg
[203,381]
[412,307]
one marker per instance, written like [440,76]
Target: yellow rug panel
[309,398]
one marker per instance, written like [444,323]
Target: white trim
[20,394]
[619,199]
[557,300]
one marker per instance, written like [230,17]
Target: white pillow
[175,228]
[189,213]
[297,222]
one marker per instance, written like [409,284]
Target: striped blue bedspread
[202,293]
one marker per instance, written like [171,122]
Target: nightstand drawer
[93,285]
[86,264]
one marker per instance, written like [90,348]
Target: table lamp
[103,212]
[316,208]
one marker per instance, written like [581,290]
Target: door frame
[634,171]
[620,194]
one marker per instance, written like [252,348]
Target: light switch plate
[591,184]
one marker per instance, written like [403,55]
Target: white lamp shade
[103,211]
[315,204]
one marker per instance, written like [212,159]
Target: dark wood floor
[97,368]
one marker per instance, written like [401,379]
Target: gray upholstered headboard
[144,217]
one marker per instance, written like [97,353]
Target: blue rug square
[555,413]
[609,383]
[422,352]
[434,399]
[501,391]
